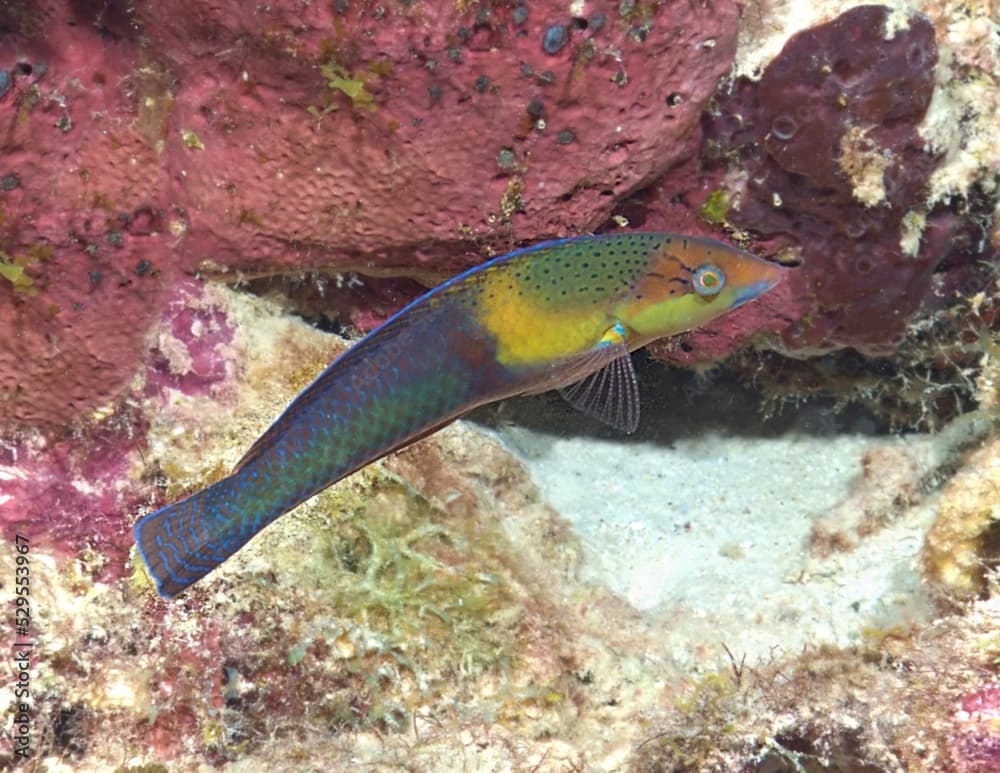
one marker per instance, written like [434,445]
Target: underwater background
[789,567]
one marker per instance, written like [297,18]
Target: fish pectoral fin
[600,382]
[610,394]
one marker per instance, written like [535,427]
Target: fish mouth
[755,289]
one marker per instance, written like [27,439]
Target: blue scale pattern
[384,392]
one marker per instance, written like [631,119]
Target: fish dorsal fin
[252,453]
[610,394]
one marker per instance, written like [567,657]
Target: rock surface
[146,140]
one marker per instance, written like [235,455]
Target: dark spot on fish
[520,14]
[115,238]
[566,136]
[535,108]
[482,83]
[10,182]
[142,267]
[455,54]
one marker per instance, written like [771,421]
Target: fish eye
[708,280]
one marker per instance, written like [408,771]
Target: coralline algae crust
[303,137]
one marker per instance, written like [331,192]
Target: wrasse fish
[559,315]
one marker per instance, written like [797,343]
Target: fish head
[690,282]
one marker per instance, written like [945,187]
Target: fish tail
[183,542]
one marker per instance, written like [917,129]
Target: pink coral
[188,356]
[69,495]
[976,745]
[150,139]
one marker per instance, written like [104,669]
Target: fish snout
[753,277]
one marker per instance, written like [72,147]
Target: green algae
[393,599]
[715,208]
[191,140]
[13,268]
[373,600]
[14,273]
[351,85]
[394,565]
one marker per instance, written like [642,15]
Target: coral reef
[901,701]
[430,611]
[248,141]
[70,494]
[895,479]
[859,156]
[832,168]
[880,198]
[201,140]
[401,601]
[976,748]
[961,546]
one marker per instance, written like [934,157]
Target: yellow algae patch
[963,543]
[968,511]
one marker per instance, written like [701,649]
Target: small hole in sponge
[864,265]
[784,127]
